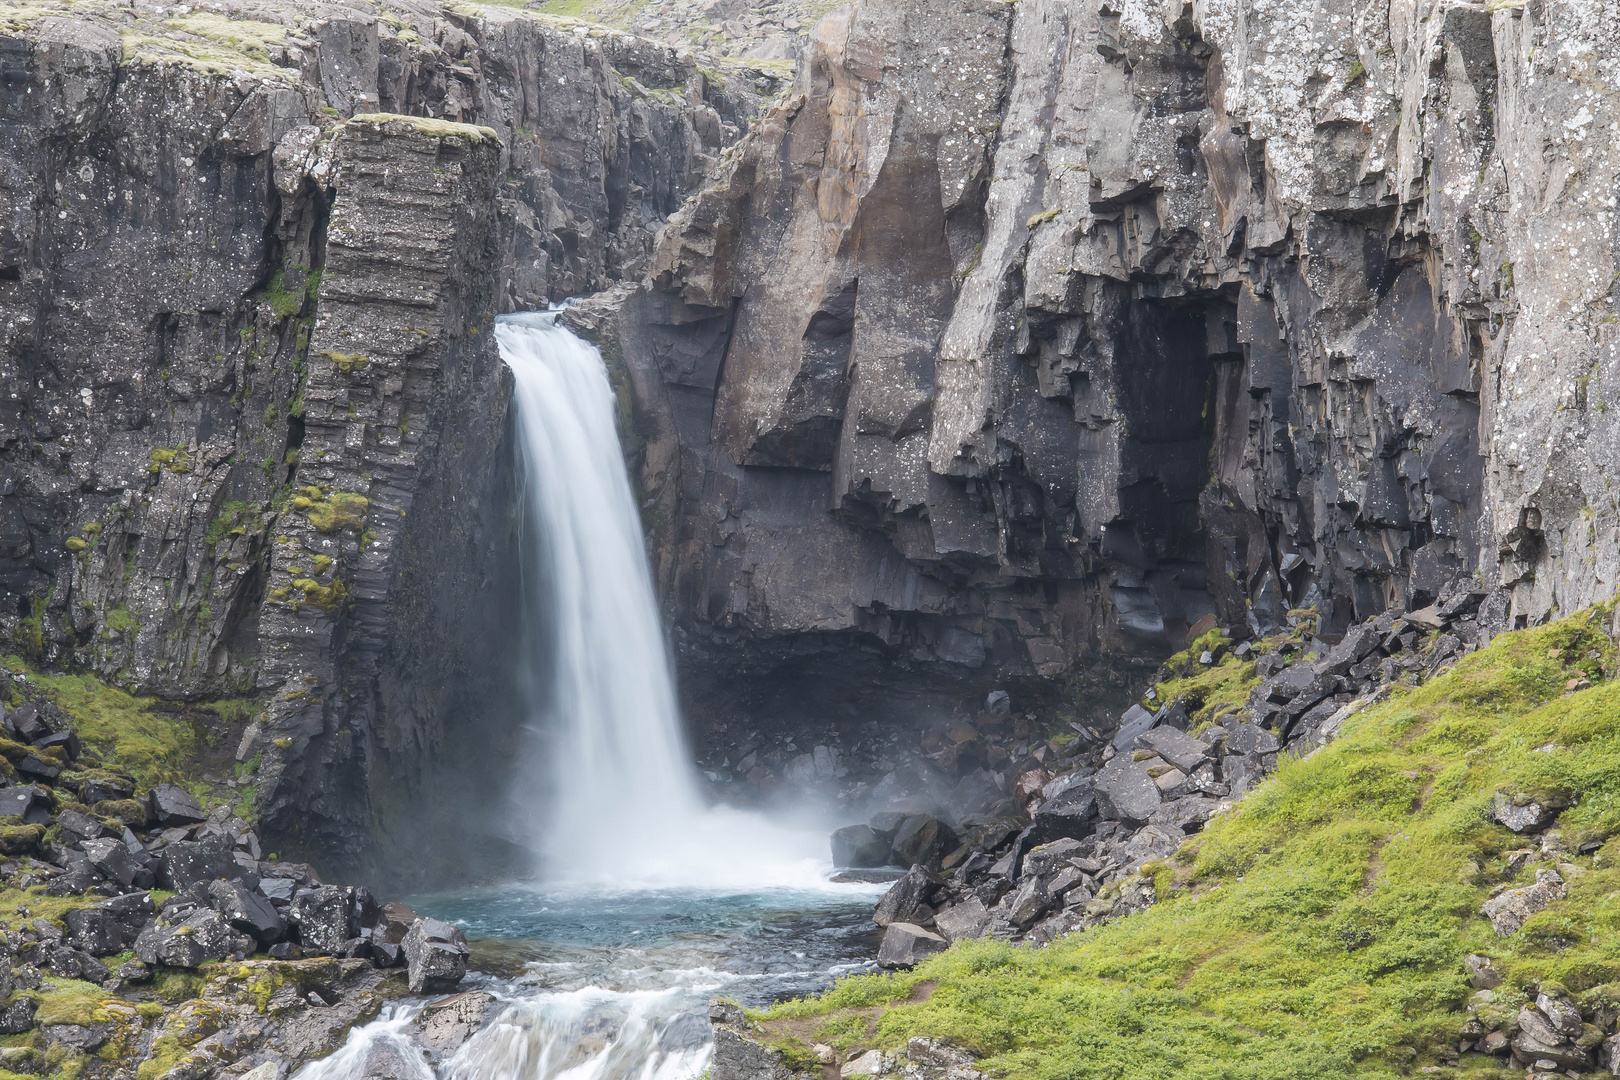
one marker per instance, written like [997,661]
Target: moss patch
[1318,929]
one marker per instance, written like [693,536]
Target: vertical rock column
[378,561]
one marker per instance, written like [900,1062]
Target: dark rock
[859,846]
[28,802]
[436,955]
[17,1016]
[70,963]
[40,768]
[174,805]
[322,918]
[924,839]
[910,899]
[247,912]
[111,858]
[133,971]
[78,878]
[1027,904]
[386,955]
[201,936]
[81,826]
[907,945]
[25,723]
[1244,738]
[881,875]
[67,740]
[1177,747]
[282,889]
[190,862]
[110,926]
[1045,859]
[105,787]
[396,921]
[887,824]
[285,950]
[1125,792]
[1136,721]
[1069,814]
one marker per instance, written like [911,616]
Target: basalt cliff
[1001,339]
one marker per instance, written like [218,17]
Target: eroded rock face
[251,415]
[1049,327]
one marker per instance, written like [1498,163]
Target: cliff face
[1017,331]
[252,422]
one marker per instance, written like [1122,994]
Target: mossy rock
[131,812]
[20,839]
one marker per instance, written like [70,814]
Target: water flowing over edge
[612,799]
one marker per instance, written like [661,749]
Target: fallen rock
[1526,817]
[17,1016]
[111,858]
[201,936]
[1136,721]
[907,945]
[1070,814]
[435,954]
[1177,747]
[859,846]
[174,805]
[1509,911]
[871,1063]
[247,912]
[1125,792]
[923,839]
[188,863]
[321,915]
[444,1025]
[968,920]
[1482,972]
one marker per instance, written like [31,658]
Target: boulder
[1509,911]
[910,899]
[25,724]
[1136,721]
[923,839]
[103,786]
[247,912]
[1027,904]
[70,963]
[1246,738]
[28,802]
[189,862]
[969,919]
[201,936]
[110,926]
[1522,817]
[39,767]
[907,945]
[444,1025]
[1482,973]
[321,915]
[872,1063]
[887,824]
[1047,858]
[17,1016]
[435,955]
[174,805]
[67,740]
[111,858]
[395,921]
[1070,814]
[859,846]
[1177,747]
[81,826]
[1125,792]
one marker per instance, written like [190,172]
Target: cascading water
[623,805]
[648,900]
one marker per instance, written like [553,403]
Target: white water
[646,892]
[622,806]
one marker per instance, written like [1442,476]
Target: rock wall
[251,417]
[1019,332]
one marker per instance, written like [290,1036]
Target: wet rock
[907,945]
[1509,911]
[887,824]
[395,921]
[435,954]
[174,805]
[859,846]
[910,899]
[444,1025]
[923,839]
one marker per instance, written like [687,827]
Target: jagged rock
[873,1063]
[1509,911]
[1135,722]
[436,955]
[396,920]
[1528,817]
[1541,1038]
[25,723]
[887,824]
[1068,814]
[183,864]
[247,912]
[923,839]
[907,945]
[1047,858]
[1026,904]
[1482,973]
[28,802]
[67,740]
[110,926]
[1177,747]
[859,846]
[322,918]
[1246,738]
[910,899]
[933,1060]
[200,936]
[111,858]
[174,805]
[70,963]
[969,919]
[1125,792]
[17,1015]
[85,828]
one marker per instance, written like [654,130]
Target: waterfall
[620,805]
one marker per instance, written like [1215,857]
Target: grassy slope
[1318,929]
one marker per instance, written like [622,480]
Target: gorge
[954,350]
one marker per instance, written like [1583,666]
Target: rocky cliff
[253,422]
[1019,332]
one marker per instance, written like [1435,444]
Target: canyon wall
[1016,333]
[252,419]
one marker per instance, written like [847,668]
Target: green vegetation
[1318,929]
[232,520]
[347,362]
[177,459]
[329,513]
[120,619]
[70,1001]
[123,730]
[287,302]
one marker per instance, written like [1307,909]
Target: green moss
[177,459]
[347,362]
[1318,928]
[1041,218]
[119,619]
[70,1001]
[329,598]
[340,510]
[233,519]
[74,544]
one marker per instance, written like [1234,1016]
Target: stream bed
[603,985]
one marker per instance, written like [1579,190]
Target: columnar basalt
[1031,330]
